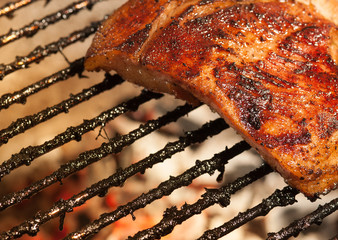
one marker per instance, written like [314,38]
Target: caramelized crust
[269,68]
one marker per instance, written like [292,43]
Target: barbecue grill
[93,155]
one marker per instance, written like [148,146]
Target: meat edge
[159,82]
[139,75]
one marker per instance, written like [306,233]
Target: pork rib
[269,68]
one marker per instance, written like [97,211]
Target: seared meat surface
[269,68]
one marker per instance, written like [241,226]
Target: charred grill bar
[303,223]
[27,155]
[173,216]
[39,53]
[9,8]
[278,199]
[32,28]
[118,179]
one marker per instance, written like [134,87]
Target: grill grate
[32,28]
[28,157]
[10,7]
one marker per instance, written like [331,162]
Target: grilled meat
[269,68]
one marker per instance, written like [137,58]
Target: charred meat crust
[271,74]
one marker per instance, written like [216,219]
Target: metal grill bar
[280,198]
[173,216]
[39,53]
[164,189]
[86,158]
[63,206]
[27,155]
[297,226]
[23,124]
[9,8]
[32,28]
[20,96]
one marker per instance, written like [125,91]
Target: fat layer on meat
[269,68]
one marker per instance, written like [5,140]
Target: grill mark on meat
[249,89]
[269,78]
[249,95]
[135,42]
[186,12]
[301,136]
[272,75]
[301,43]
[255,104]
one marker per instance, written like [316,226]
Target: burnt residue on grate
[117,179]
[173,216]
[9,8]
[164,189]
[86,158]
[39,53]
[32,28]
[280,198]
[304,223]
[20,96]
[22,124]
[27,155]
